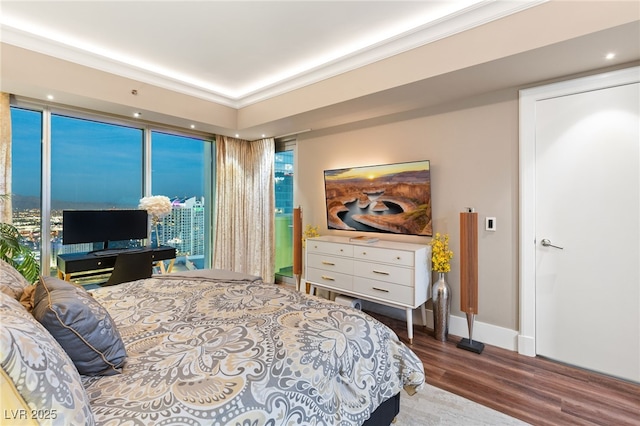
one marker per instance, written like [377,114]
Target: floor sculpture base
[471,345]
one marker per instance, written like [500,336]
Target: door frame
[527,167]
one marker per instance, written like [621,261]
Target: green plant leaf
[17,255]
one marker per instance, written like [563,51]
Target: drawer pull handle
[324,262]
[380,272]
[324,277]
[380,289]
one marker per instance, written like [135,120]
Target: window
[75,160]
[26,159]
[181,170]
[284,209]
[96,166]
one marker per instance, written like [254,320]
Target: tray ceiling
[237,52]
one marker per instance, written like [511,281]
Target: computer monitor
[91,226]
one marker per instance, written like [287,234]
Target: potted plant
[16,254]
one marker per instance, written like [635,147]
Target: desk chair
[130,267]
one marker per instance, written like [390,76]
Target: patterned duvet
[241,352]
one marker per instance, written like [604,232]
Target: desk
[89,264]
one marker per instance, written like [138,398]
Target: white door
[587,189]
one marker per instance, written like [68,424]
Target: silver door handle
[547,243]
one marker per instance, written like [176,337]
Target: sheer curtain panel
[245,204]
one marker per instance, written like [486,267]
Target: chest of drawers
[387,272]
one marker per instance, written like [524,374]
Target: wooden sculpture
[469,275]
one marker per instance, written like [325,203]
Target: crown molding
[478,14]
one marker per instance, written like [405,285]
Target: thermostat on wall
[490,224]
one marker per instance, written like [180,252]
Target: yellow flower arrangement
[309,232]
[440,253]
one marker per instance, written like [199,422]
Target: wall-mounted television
[92,226]
[390,198]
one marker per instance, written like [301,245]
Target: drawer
[88,264]
[335,249]
[381,272]
[343,265]
[384,291]
[394,257]
[328,278]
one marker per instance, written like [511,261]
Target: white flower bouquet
[158,206]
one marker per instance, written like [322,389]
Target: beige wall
[473,149]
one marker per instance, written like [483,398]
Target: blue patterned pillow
[39,369]
[81,325]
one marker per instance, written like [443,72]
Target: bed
[220,348]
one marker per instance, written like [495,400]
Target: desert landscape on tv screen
[393,198]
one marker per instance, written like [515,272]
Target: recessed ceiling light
[50,97]
[193,126]
[137,114]
[610,56]
[263,135]
[237,135]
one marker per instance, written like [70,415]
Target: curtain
[5,159]
[245,205]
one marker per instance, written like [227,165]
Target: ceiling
[241,53]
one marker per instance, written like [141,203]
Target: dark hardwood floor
[533,389]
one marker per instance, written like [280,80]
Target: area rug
[434,406]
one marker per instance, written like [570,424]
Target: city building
[184,227]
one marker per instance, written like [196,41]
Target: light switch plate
[490,224]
